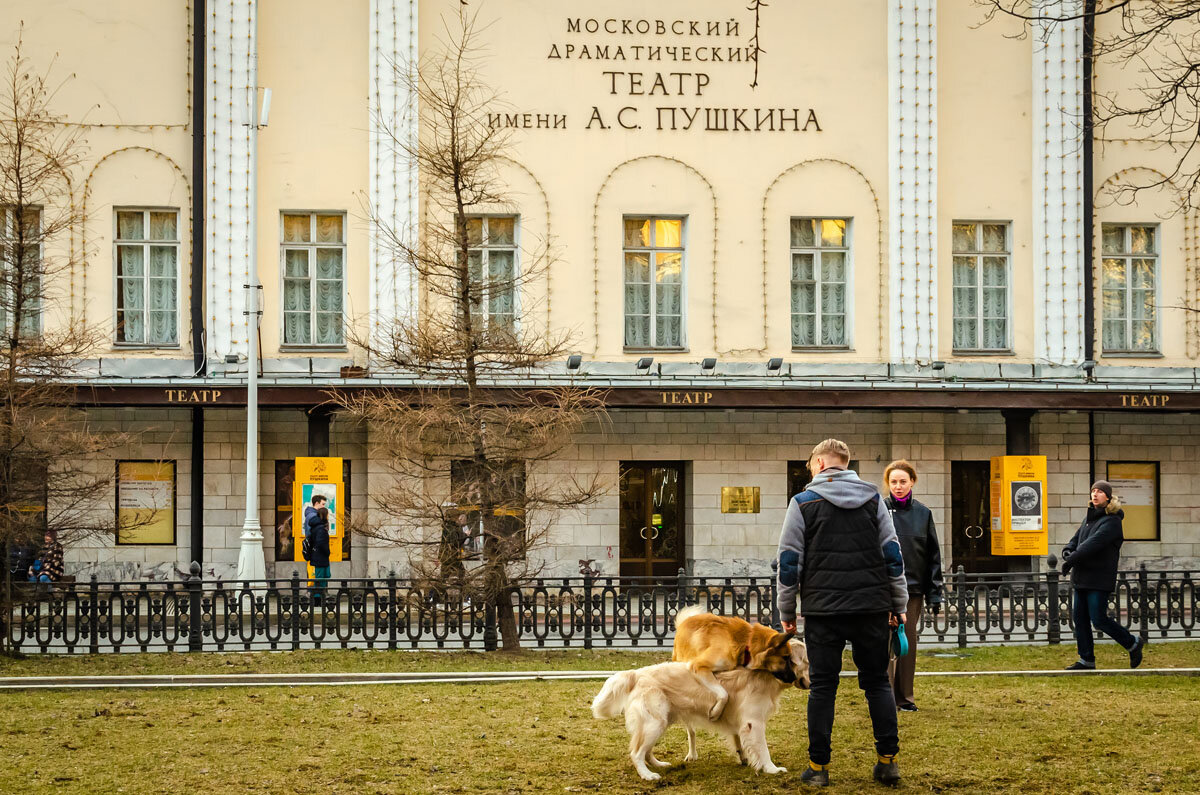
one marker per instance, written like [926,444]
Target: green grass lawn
[1158,655]
[1094,735]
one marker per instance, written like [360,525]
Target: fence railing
[577,612]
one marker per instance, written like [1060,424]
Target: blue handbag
[899,641]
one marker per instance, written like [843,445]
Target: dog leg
[753,737]
[658,763]
[645,733]
[692,754]
[705,675]
[735,744]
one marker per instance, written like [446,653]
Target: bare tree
[1159,40]
[465,500]
[49,478]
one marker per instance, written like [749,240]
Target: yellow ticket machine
[1020,521]
[319,477]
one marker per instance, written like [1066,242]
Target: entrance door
[652,523]
[971,520]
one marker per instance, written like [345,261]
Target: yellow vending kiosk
[319,477]
[1020,521]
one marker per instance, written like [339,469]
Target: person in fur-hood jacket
[1090,557]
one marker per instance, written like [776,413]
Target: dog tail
[612,698]
[688,612]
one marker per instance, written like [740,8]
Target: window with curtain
[147,257]
[653,249]
[820,257]
[1130,287]
[21,270]
[981,254]
[492,259]
[314,263]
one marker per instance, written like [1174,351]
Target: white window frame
[146,243]
[1127,255]
[7,218]
[311,247]
[485,247]
[683,280]
[847,284]
[978,253]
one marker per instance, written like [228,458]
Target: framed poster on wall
[146,502]
[1136,483]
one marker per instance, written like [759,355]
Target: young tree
[1159,41]
[471,425]
[49,481]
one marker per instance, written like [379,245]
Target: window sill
[655,350]
[313,349]
[822,349]
[1131,355]
[982,352]
[133,346]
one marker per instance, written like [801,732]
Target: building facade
[771,226]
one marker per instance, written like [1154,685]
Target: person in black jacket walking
[318,539]
[838,552]
[1091,559]
[922,570]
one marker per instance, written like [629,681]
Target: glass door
[652,518]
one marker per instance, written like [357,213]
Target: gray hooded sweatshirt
[841,488]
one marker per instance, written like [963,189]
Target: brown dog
[710,644]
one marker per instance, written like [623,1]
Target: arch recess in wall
[655,185]
[829,188]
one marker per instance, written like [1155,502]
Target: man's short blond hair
[831,448]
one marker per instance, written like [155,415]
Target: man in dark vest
[839,553]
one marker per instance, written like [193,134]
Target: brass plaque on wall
[739,499]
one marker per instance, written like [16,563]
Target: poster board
[146,502]
[1020,519]
[319,476]
[1136,483]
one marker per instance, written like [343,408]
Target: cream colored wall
[985,155]
[313,154]
[591,177]
[1125,158]
[125,78]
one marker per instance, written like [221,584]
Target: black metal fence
[576,612]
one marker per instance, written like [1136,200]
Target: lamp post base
[251,563]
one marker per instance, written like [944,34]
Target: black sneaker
[1080,665]
[907,707]
[815,778]
[1135,654]
[887,773]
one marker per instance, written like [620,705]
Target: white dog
[659,696]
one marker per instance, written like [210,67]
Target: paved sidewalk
[443,677]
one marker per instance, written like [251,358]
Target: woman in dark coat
[1091,558]
[922,570]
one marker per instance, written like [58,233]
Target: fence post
[1143,602]
[392,612]
[587,609]
[1053,630]
[775,622]
[195,607]
[681,588]
[94,613]
[960,592]
[489,625]
[295,609]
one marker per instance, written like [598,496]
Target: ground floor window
[653,532]
[508,491]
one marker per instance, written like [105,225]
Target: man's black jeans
[826,637]
[1091,610]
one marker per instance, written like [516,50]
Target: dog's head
[785,658]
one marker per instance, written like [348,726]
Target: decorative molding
[1058,247]
[393,184]
[879,245]
[232,48]
[912,173]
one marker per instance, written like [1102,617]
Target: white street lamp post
[251,563]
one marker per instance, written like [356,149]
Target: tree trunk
[506,617]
